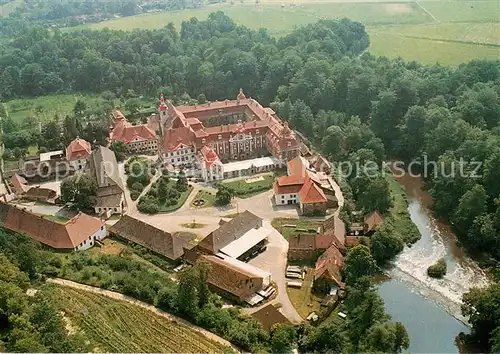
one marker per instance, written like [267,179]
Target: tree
[358,263]
[202,269]
[224,195]
[386,243]
[375,196]
[3,111]
[327,338]
[51,136]
[471,205]
[283,337]
[72,128]
[482,308]
[187,296]
[80,108]
[119,148]
[201,98]
[133,105]
[181,185]
[333,141]
[81,190]
[389,337]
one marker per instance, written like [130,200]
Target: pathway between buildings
[121,297]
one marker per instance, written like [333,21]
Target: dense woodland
[360,108]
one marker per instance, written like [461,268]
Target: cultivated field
[116,326]
[446,31]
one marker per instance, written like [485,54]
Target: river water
[429,308]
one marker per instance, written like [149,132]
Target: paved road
[274,260]
[339,224]
[121,297]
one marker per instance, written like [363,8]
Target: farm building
[235,278]
[327,269]
[19,184]
[79,233]
[41,194]
[226,248]
[368,226]
[77,153]
[149,236]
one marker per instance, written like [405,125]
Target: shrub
[148,208]
[134,194]
[137,186]
[438,269]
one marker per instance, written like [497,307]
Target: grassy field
[208,198]
[303,299]
[180,202]
[247,190]
[301,226]
[6,9]
[45,108]
[446,31]
[116,326]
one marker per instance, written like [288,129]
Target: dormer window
[219,137]
[289,144]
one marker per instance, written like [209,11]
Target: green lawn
[247,190]
[45,108]
[398,214]
[208,198]
[301,226]
[464,10]
[56,218]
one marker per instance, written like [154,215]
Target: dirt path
[121,297]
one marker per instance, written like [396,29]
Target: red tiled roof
[352,240]
[290,180]
[51,233]
[209,156]
[297,167]
[323,241]
[329,264]
[177,137]
[292,189]
[126,132]
[78,149]
[19,184]
[311,193]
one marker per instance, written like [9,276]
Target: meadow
[44,108]
[448,32]
[117,326]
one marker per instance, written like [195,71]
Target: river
[429,308]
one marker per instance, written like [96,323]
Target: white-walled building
[77,154]
[211,167]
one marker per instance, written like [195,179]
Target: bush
[148,208]
[137,186]
[438,269]
[134,194]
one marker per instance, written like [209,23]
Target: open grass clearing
[207,197]
[289,226]
[464,10]
[244,189]
[117,326]
[429,51]
[44,108]
[11,6]
[488,33]
[278,19]
[303,299]
[55,218]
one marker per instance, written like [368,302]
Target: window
[116,209]
[203,141]
[219,137]
[257,131]
[102,227]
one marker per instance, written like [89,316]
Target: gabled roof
[311,193]
[302,242]
[78,149]
[104,168]
[329,265]
[177,138]
[297,166]
[290,180]
[51,233]
[209,156]
[40,192]
[19,184]
[292,189]
[126,132]
[373,220]
[230,231]
[149,236]
[228,277]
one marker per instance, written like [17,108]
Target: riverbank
[429,308]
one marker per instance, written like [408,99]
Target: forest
[358,107]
